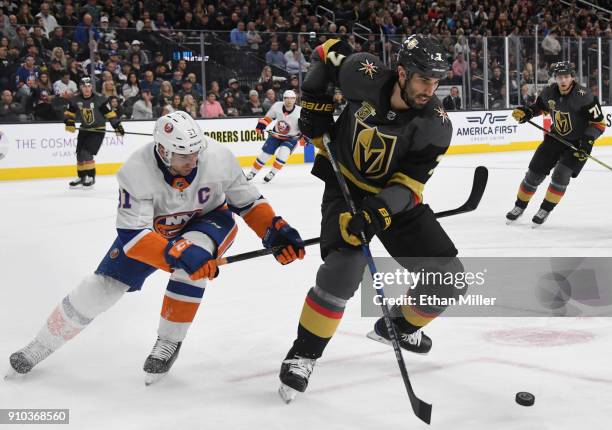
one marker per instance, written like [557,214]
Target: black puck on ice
[524,398]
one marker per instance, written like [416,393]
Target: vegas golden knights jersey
[574,115]
[91,112]
[375,145]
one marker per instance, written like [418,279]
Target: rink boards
[46,150]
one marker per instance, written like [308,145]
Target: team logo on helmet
[411,43]
[369,69]
[168,127]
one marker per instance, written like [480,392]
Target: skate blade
[511,221]
[372,335]
[287,393]
[534,225]
[152,378]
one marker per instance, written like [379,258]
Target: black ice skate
[26,358]
[76,183]
[88,182]
[539,218]
[269,176]
[250,175]
[417,342]
[159,362]
[514,214]
[294,374]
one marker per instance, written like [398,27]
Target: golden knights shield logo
[372,150]
[562,122]
[88,116]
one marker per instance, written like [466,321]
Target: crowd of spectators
[46,47]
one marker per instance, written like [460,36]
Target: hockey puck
[524,398]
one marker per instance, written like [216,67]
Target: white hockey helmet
[289,94]
[178,133]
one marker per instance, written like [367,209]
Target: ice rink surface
[226,375]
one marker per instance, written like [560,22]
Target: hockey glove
[70,125]
[196,261]
[282,234]
[260,127]
[584,148]
[522,114]
[373,217]
[316,116]
[119,131]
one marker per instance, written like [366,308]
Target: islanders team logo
[171,225]
[168,127]
[283,127]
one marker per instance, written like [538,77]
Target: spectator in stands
[177,80]
[10,110]
[58,55]
[459,66]
[57,39]
[294,84]
[339,102]
[131,88]
[68,19]
[137,66]
[107,33]
[136,49]
[253,105]
[109,89]
[211,108]
[551,47]
[228,105]
[295,60]
[4,21]
[177,102]
[215,89]
[496,84]
[48,20]
[190,105]
[24,16]
[150,83]
[26,71]
[74,68]
[238,36]
[452,101]
[166,93]
[527,99]
[19,41]
[197,87]
[116,105]
[81,34]
[266,79]
[275,58]
[64,85]
[143,108]
[234,89]
[253,37]
[269,100]
[6,69]
[187,89]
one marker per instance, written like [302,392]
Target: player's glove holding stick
[282,234]
[119,131]
[70,125]
[584,147]
[183,254]
[522,114]
[373,217]
[316,116]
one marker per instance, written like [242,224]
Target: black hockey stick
[113,131]
[568,144]
[479,184]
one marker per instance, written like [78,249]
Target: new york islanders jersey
[286,125]
[155,206]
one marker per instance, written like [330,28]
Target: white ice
[226,376]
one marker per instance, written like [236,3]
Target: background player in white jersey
[177,197]
[282,138]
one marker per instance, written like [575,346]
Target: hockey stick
[568,144]
[113,131]
[421,409]
[478,187]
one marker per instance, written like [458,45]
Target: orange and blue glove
[282,234]
[183,254]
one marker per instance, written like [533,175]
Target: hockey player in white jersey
[282,138]
[177,197]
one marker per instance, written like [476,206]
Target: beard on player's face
[418,90]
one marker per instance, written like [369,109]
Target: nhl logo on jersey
[563,122]
[372,150]
[168,127]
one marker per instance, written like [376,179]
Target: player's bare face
[86,90]
[564,82]
[289,103]
[419,90]
[183,164]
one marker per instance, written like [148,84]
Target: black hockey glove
[119,131]
[70,125]
[316,116]
[584,147]
[373,217]
[522,114]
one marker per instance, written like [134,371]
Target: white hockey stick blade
[152,378]
[287,393]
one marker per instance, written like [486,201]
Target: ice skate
[250,175]
[26,358]
[162,357]
[294,375]
[269,176]
[88,182]
[417,342]
[514,214]
[76,183]
[539,218]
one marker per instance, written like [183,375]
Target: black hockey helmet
[86,80]
[562,68]
[423,55]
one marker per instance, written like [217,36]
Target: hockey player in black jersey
[387,142]
[92,111]
[577,117]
